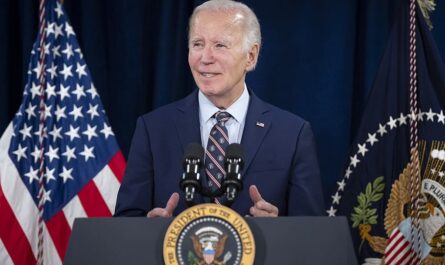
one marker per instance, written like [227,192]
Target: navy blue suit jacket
[280,159]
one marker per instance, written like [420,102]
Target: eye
[197,44]
[221,45]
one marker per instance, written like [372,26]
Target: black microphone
[192,162]
[234,164]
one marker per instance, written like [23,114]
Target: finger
[255,195]
[255,212]
[265,206]
[158,212]
[172,203]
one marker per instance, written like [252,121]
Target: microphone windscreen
[235,151]
[194,151]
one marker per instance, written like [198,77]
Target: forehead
[210,24]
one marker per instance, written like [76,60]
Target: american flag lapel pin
[260,124]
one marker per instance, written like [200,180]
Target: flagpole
[416,232]
[42,81]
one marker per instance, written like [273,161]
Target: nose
[207,55]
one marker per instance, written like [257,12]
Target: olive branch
[364,213]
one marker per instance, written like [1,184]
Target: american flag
[400,250]
[82,163]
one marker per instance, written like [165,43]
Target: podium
[283,240]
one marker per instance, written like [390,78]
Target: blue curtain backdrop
[318,60]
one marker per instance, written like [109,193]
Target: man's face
[216,56]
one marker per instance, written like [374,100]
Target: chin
[209,90]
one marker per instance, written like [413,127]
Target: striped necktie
[215,152]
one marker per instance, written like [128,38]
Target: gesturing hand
[261,208]
[169,208]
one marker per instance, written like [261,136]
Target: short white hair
[252,31]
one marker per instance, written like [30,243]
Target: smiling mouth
[208,75]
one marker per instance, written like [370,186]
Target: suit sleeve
[305,192]
[135,197]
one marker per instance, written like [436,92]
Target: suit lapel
[188,129]
[255,129]
[187,121]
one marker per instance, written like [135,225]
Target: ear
[252,57]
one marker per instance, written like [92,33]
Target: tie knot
[222,116]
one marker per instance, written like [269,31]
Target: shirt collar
[238,109]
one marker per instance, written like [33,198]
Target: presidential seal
[209,234]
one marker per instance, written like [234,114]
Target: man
[281,175]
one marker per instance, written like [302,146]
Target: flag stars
[362,149]
[331,211]
[32,175]
[392,123]
[37,69]
[41,132]
[64,92]
[412,116]
[93,92]
[79,91]
[20,152]
[93,111]
[441,117]
[36,154]
[348,173]
[430,115]
[76,112]
[50,91]
[66,174]
[35,90]
[69,30]
[341,184]
[58,9]
[73,133]
[87,152]
[336,198]
[80,70]
[372,139]
[60,112]
[52,71]
[46,50]
[26,132]
[58,31]
[68,51]
[79,52]
[48,111]
[52,153]
[30,111]
[49,175]
[66,72]
[90,132]
[69,153]
[441,174]
[55,133]
[402,119]
[46,196]
[433,171]
[354,161]
[420,115]
[107,131]
[55,51]
[50,29]
[382,129]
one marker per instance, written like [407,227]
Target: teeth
[207,74]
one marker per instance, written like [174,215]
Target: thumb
[255,195]
[172,203]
